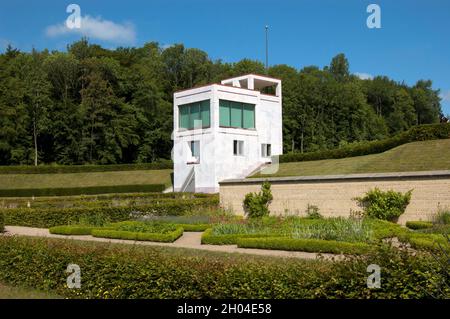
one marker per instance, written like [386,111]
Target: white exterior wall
[217,161]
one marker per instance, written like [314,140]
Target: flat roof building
[224,131]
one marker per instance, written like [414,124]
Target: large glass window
[236,114]
[191,114]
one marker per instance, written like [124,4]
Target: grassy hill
[416,156]
[15,182]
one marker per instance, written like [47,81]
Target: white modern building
[224,131]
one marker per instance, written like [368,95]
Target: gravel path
[190,240]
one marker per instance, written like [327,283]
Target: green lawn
[15,181]
[416,156]
[10,292]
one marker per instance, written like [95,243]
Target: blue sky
[413,42]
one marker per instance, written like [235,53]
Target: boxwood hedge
[49,217]
[308,245]
[71,230]
[122,271]
[69,191]
[416,133]
[168,237]
[208,238]
[54,169]
[419,224]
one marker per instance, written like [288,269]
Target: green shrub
[416,133]
[67,191]
[58,169]
[312,212]
[122,271]
[209,238]
[49,217]
[167,237]
[257,204]
[418,224]
[385,205]
[424,241]
[442,217]
[71,230]
[308,245]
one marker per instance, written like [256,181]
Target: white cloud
[97,28]
[445,96]
[363,76]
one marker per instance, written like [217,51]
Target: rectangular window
[194,115]
[224,110]
[195,149]
[236,114]
[238,148]
[266,150]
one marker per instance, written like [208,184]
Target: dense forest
[100,106]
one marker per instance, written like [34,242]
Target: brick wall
[334,194]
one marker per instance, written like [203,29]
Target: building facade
[225,131]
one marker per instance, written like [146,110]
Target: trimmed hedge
[424,241]
[419,224]
[416,133]
[208,238]
[69,191]
[71,230]
[308,245]
[49,217]
[124,272]
[168,237]
[52,169]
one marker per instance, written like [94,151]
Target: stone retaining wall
[334,194]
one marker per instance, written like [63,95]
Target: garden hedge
[56,169]
[308,245]
[69,191]
[416,133]
[168,237]
[122,271]
[49,217]
[208,238]
[419,224]
[71,230]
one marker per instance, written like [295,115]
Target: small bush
[385,205]
[418,225]
[308,245]
[312,212]
[257,204]
[442,217]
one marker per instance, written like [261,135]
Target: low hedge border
[71,230]
[424,241]
[168,237]
[307,245]
[416,133]
[418,225]
[57,169]
[49,217]
[208,238]
[68,191]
